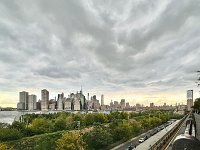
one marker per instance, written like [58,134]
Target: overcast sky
[141,50]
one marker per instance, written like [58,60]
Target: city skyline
[87,96]
[141,51]
[78,102]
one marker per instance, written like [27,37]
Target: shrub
[7,134]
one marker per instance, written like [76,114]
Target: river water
[9,116]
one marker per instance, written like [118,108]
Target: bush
[98,138]
[70,141]
[5,147]
[40,125]
[38,142]
[122,131]
[60,124]
[7,134]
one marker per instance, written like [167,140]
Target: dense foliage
[197,104]
[105,129]
[70,141]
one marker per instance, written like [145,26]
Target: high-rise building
[32,99]
[90,105]
[60,101]
[189,99]
[96,104]
[38,105]
[44,100]
[94,97]
[52,104]
[127,105]
[23,101]
[122,104]
[111,105]
[102,100]
[68,104]
[77,106]
[151,105]
[88,97]
[116,104]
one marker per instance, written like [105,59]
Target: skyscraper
[102,100]
[44,100]
[189,99]
[32,102]
[60,101]
[122,104]
[23,101]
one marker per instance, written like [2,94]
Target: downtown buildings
[26,101]
[72,102]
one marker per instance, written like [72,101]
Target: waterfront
[9,116]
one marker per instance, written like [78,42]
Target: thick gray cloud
[149,45]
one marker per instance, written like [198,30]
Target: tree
[154,121]
[5,147]
[18,125]
[7,134]
[40,125]
[69,122]
[89,119]
[121,131]
[60,124]
[98,138]
[70,141]
[136,127]
[197,104]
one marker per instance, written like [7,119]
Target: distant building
[90,105]
[60,101]
[116,105]
[111,105]
[77,106]
[82,100]
[52,104]
[23,101]
[68,104]
[38,105]
[138,107]
[151,105]
[44,100]
[20,106]
[122,104]
[32,99]
[189,99]
[127,105]
[103,107]
[96,104]
[102,100]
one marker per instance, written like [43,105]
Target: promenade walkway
[153,139]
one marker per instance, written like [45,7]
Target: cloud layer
[111,46]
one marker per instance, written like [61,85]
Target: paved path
[180,131]
[153,139]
